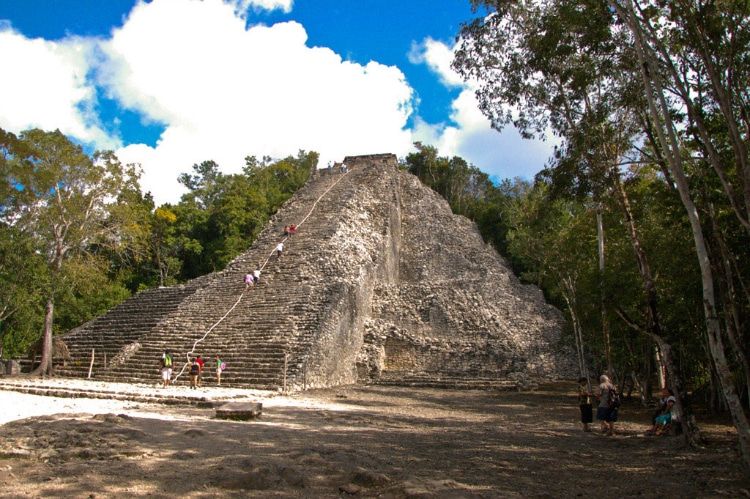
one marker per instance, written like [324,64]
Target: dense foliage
[649,100]
[77,236]
[551,241]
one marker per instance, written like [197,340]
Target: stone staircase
[147,394]
[104,337]
[447,380]
[263,338]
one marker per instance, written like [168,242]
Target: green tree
[693,71]
[220,215]
[21,274]
[62,199]
[464,186]
[553,238]
[163,244]
[23,277]
[569,67]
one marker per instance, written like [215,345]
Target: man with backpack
[609,402]
[166,368]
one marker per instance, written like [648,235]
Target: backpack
[614,399]
[167,361]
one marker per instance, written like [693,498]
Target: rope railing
[239,299]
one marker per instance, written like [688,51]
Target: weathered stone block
[239,410]
[12,367]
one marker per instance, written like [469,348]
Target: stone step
[463,384]
[133,391]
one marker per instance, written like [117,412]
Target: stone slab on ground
[239,410]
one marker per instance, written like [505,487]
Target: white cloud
[44,85]
[220,89]
[225,91]
[283,5]
[502,154]
[438,57]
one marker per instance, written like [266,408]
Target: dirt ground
[368,442]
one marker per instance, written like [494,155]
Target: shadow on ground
[368,442]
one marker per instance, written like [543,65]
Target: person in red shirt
[199,361]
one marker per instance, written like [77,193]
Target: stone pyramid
[382,283]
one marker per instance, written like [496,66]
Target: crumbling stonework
[453,306]
[382,283]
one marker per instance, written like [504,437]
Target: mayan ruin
[381,283]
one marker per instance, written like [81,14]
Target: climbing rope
[268,258]
[192,350]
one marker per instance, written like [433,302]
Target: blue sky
[171,83]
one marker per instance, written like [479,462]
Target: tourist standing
[604,413]
[256,277]
[279,250]
[199,361]
[194,370]
[219,365]
[166,368]
[584,402]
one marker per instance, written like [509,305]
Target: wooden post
[91,366]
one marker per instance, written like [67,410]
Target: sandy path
[361,442]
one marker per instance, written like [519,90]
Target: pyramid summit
[381,283]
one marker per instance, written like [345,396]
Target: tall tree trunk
[162,272]
[45,366]
[602,288]
[731,313]
[661,368]
[648,370]
[653,328]
[665,129]
[568,292]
